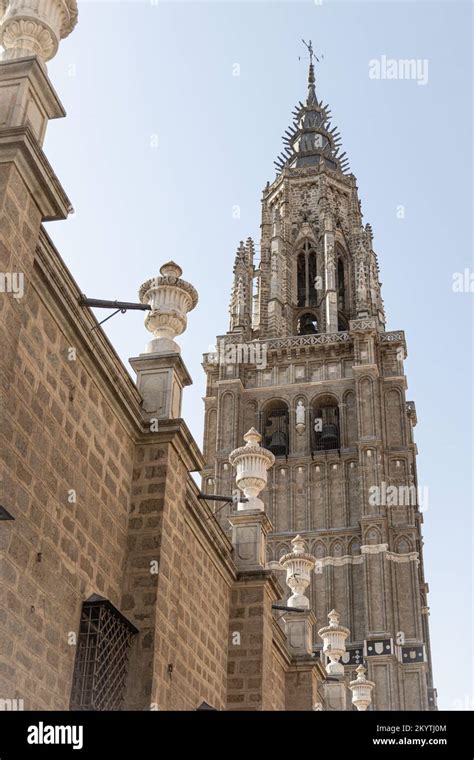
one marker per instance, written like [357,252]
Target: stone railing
[297,341]
[392,337]
[307,340]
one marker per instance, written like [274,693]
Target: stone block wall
[67,455]
[255,675]
[180,655]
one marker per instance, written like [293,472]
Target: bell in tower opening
[275,428]
[307,325]
[326,425]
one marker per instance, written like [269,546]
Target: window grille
[102,652]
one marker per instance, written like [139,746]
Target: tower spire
[311,140]
[311,99]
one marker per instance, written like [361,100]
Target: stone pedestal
[335,694]
[27,97]
[249,537]
[299,632]
[160,380]
[27,102]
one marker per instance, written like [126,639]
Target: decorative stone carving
[252,462]
[361,690]
[334,637]
[294,342]
[298,565]
[300,417]
[35,28]
[170,299]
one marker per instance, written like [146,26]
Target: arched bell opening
[307,324]
[275,428]
[325,427]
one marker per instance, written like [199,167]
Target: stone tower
[307,362]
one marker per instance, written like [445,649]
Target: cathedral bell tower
[307,362]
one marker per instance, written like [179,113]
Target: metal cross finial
[309,46]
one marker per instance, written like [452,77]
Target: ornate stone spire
[310,140]
[35,28]
[241,299]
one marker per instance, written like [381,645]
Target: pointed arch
[403,545]
[343,286]
[306,273]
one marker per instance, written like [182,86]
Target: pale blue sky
[133,70]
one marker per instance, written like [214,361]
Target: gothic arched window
[306,276]
[342,288]
[307,324]
[275,428]
[325,424]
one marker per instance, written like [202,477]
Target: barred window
[100,669]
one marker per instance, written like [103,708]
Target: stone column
[330,300]
[250,660]
[299,625]
[334,637]
[161,372]
[250,526]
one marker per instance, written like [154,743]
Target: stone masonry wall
[182,610]
[67,463]
[255,679]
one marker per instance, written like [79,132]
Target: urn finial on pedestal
[35,28]
[170,299]
[361,690]
[298,565]
[334,637]
[252,462]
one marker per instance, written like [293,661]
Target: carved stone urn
[252,462]
[298,565]
[334,637]
[35,28]
[361,690]
[170,299]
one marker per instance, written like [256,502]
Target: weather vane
[309,46]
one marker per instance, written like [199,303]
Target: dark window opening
[342,324]
[325,426]
[340,285]
[307,325]
[100,667]
[306,277]
[275,429]
[343,291]
[301,279]
[312,292]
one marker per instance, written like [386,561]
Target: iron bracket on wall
[119,306]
